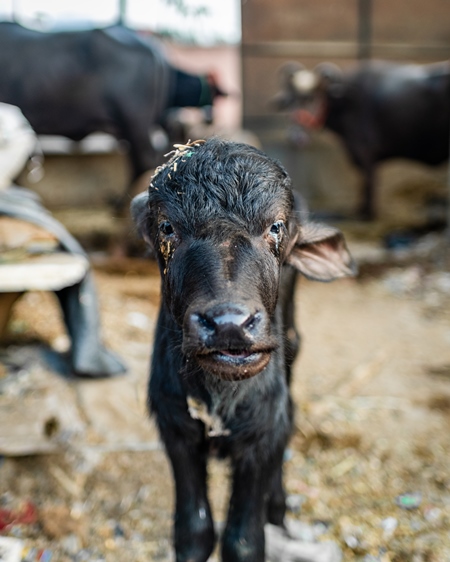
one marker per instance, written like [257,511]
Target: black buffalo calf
[220,218]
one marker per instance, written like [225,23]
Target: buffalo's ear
[139,213]
[285,98]
[332,78]
[320,253]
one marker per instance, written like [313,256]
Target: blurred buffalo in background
[380,110]
[74,83]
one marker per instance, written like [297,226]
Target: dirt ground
[368,464]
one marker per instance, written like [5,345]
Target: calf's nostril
[252,322]
[203,322]
[207,323]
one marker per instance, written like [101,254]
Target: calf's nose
[233,323]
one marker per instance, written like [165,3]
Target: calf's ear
[320,253]
[139,213]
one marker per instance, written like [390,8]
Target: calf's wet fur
[221,220]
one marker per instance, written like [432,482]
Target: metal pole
[448,191]
[122,11]
[364,29]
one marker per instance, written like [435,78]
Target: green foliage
[187,10]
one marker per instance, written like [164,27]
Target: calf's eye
[166,228]
[276,228]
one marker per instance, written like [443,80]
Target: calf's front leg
[194,529]
[276,508]
[243,538]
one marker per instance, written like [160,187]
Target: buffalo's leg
[367,208]
[194,529]
[276,508]
[243,538]
[142,156]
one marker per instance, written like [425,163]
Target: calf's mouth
[234,364]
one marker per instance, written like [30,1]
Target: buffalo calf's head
[220,218]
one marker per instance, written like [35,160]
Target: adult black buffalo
[220,218]
[74,83]
[380,110]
